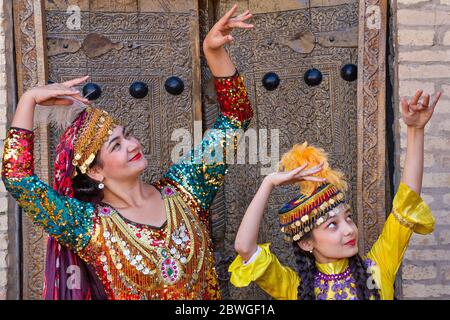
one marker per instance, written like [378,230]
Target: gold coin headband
[96,129]
[300,215]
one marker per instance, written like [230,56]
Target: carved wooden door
[118,42]
[289,38]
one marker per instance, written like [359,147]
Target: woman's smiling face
[121,156]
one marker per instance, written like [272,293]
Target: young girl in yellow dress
[319,224]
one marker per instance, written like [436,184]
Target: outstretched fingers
[426,100]
[415,99]
[405,106]
[74,82]
[313,170]
[436,100]
[74,94]
[299,169]
[228,15]
[314,179]
[239,24]
[62,102]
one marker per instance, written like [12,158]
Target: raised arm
[247,235]
[256,262]
[416,115]
[201,172]
[68,220]
[217,57]
[410,214]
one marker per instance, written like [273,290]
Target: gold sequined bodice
[137,261]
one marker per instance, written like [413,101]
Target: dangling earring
[101,185]
[310,251]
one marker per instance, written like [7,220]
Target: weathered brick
[435,71]
[444,125]
[444,236]
[428,160]
[443,106]
[414,272]
[406,2]
[423,240]
[424,55]
[407,88]
[428,198]
[3,262]
[419,290]
[436,180]
[446,271]
[446,39]
[3,118]
[415,38]
[2,95]
[3,241]
[436,143]
[3,278]
[446,199]
[442,217]
[3,222]
[3,204]
[427,254]
[445,161]
[413,17]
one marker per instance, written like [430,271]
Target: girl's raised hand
[417,114]
[219,34]
[58,93]
[296,175]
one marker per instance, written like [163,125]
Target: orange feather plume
[301,154]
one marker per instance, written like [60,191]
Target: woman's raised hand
[296,175]
[219,34]
[60,94]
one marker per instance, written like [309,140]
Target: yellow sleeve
[268,273]
[409,214]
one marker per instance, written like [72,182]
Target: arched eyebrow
[116,137]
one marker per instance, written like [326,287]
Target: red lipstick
[136,157]
[351,243]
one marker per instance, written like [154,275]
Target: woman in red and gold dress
[142,241]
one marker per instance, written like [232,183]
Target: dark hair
[307,271]
[85,188]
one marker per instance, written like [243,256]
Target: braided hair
[307,270]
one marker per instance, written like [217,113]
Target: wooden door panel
[147,54]
[325,116]
[148,43]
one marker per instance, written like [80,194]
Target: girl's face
[336,238]
[121,157]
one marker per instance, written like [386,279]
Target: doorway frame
[372,190]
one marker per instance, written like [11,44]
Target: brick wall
[422,52]
[3,198]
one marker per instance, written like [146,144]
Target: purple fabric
[67,277]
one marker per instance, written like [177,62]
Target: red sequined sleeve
[232,98]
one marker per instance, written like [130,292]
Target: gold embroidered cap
[317,201]
[96,129]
